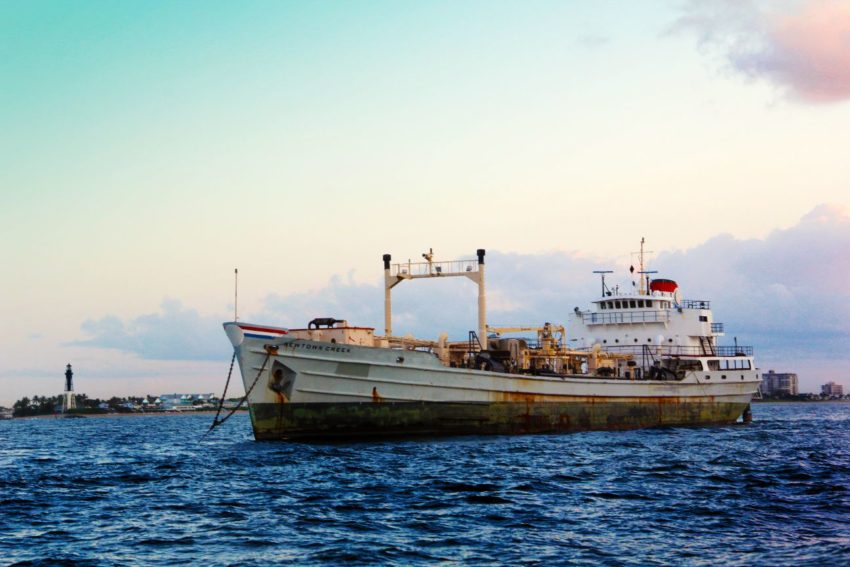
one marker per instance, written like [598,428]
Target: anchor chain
[216,421]
[223,394]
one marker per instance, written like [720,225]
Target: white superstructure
[663,332]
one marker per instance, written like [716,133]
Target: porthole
[708,377]
[635,339]
[669,340]
[742,376]
[605,341]
[723,376]
[616,340]
[649,340]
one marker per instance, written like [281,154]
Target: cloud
[174,333]
[785,294]
[803,46]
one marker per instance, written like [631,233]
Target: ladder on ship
[474,344]
[707,346]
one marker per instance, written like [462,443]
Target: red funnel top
[668,286]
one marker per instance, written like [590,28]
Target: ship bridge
[654,316]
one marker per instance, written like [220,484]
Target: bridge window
[602,304]
[733,364]
[632,304]
[703,318]
[640,303]
[649,303]
[617,304]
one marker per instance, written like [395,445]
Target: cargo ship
[647,358]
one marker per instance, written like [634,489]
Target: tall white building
[779,384]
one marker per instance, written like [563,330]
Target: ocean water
[150,489]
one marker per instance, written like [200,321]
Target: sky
[148,149]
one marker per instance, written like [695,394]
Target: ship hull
[307,389]
[362,419]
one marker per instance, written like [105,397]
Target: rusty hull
[320,420]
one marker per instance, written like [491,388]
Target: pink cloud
[804,49]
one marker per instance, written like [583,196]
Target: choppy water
[148,490]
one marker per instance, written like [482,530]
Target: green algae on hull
[320,420]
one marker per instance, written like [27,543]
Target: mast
[482,301]
[394,274]
[643,287]
[642,240]
[389,283]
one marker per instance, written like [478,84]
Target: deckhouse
[664,333]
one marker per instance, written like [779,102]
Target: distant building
[779,384]
[68,401]
[184,401]
[832,390]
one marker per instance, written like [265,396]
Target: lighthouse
[68,402]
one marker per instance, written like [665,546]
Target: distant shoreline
[128,414]
[755,401]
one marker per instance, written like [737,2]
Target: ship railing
[695,304]
[717,327]
[646,316]
[420,269]
[676,350]
[734,350]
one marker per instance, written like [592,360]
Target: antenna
[235,294]
[646,275]
[641,261]
[602,274]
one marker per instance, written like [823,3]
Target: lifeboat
[666,286]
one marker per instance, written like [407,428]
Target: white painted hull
[299,388]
